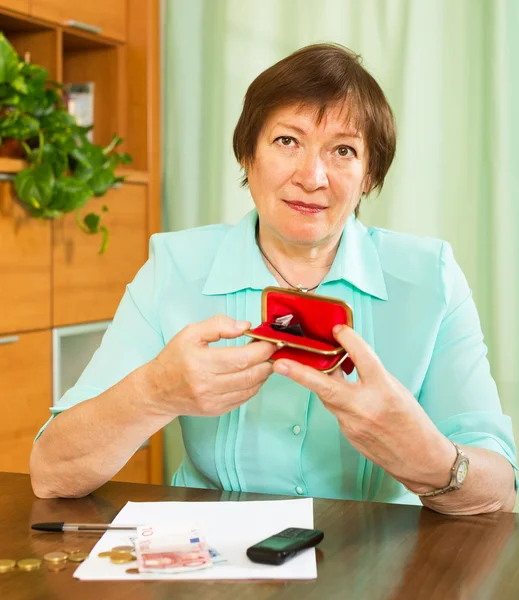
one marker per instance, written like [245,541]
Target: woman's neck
[296,264]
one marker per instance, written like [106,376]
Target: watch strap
[454,484]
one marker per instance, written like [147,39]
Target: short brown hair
[320,75]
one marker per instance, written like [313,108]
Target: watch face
[461,473]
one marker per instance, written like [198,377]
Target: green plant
[65,169]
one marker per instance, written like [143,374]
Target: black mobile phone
[278,548]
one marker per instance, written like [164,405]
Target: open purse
[300,324]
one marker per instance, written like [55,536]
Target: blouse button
[299,490]
[296,430]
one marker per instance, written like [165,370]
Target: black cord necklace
[299,286]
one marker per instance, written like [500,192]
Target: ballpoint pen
[77,527]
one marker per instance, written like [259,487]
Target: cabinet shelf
[43,17]
[11,166]
[79,40]
[9,24]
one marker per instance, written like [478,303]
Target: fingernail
[242,325]
[281,368]
[338,328]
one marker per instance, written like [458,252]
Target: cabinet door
[137,469]
[88,286]
[109,17]
[25,395]
[18,5]
[25,266]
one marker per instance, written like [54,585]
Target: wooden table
[370,551]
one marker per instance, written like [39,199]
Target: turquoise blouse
[410,302]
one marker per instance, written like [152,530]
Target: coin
[78,557]
[120,554]
[55,557]
[71,550]
[56,568]
[123,549]
[7,564]
[133,571]
[29,564]
[116,554]
[121,558]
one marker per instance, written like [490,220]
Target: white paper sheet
[230,527]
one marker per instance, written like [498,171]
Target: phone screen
[276,543]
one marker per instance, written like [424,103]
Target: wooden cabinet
[51,274]
[25,267]
[88,286]
[107,17]
[18,5]
[25,395]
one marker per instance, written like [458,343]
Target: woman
[315,135]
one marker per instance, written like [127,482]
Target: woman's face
[307,178]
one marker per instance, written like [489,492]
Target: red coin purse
[301,324]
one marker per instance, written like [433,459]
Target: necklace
[299,286]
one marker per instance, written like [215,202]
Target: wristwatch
[459,472]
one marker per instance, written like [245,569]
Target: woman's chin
[304,236]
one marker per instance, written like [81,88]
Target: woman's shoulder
[188,244]
[188,252]
[413,258]
[206,235]
[398,242]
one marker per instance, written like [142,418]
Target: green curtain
[449,70]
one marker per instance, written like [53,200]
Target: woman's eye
[285,140]
[346,151]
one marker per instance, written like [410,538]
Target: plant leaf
[20,85]
[70,194]
[35,185]
[101,181]
[58,160]
[92,222]
[8,61]
[19,126]
[125,158]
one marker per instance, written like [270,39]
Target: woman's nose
[310,173]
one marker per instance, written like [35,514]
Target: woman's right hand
[190,378]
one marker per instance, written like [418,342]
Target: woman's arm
[386,424]
[87,444]
[84,446]
[489,485]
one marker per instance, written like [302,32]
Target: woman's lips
[305,209]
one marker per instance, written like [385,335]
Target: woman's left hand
[379,416]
